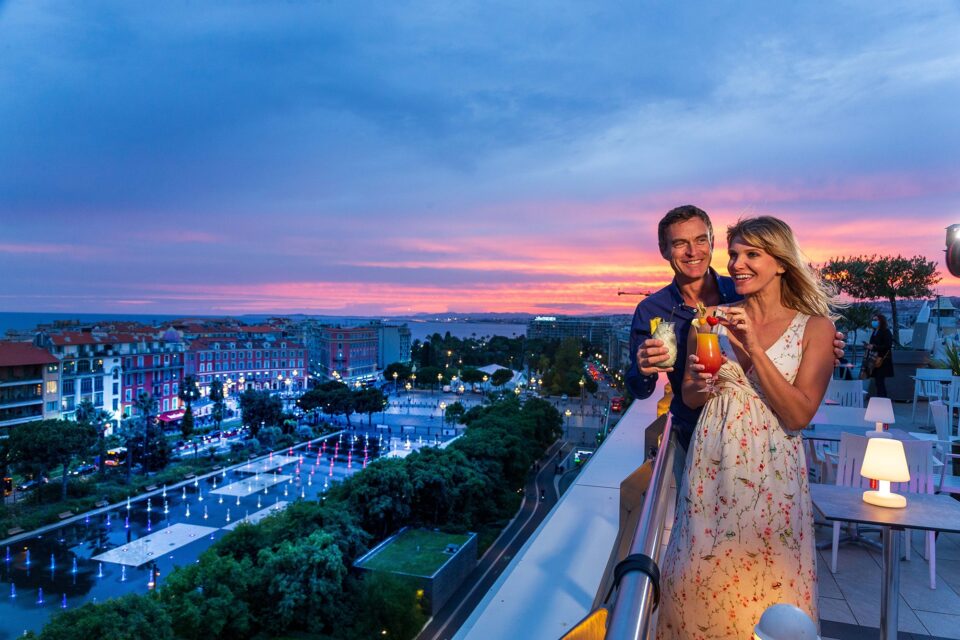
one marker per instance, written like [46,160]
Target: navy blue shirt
[667,303]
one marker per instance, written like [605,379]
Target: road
[532,511]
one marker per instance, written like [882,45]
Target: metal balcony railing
[634,601]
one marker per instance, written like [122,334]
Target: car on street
[84,470]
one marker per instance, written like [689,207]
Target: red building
[247,362]
[347,353]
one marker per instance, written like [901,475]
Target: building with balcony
[274,365]
[153,363]
[89,369]
[29,384]
[347,353]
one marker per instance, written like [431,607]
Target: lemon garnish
[654,323]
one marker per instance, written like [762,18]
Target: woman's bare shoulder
[819,327]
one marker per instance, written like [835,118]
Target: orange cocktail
[708,352]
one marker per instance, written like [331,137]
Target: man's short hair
[681,214]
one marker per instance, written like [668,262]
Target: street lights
[582,382]
[439,381]
[443,417]
[566,431]
[395,376]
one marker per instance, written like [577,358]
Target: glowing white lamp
[885,462]
[785,622]
[880,412]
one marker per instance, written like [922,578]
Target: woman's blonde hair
[801,287]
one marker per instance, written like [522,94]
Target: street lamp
[443,409]
[407,386]
[395,376]
[413,378]
[582,382]
[566,432]
[439,380]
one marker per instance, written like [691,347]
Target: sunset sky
[232,156]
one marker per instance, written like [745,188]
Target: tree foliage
[188,394]
[260,408]
[501,377]
[883,278]
[130,617]
[37,447]
[219,404]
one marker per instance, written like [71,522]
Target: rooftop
[14,354]
[551,583]
[415,552]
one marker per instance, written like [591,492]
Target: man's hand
[649,354]
[838,345]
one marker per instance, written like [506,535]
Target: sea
[419,328]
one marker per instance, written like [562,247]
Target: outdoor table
[836,414]
[923,511]
[831,432]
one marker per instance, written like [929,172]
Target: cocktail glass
[666,333]
[709,355]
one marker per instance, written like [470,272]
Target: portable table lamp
[880,412]
[885,462]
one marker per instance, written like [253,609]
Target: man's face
[688,249]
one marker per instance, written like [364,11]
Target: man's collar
[725,289]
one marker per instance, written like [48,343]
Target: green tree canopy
[219,405]
[188,394]
[260,408]
[40,446]
[883,278]
[130,616]
[471,375]
[455,412]
[501,377]
[402,370]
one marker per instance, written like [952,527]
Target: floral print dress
[743,536]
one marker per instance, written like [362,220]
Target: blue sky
[391,157]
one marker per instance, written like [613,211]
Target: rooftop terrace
[551,583]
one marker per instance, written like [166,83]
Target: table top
[836,414]
[923,511]
[933,374]
[831,432]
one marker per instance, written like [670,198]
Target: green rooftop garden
[416,552]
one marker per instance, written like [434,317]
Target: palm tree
[146,407]
[189,393]
[98,419]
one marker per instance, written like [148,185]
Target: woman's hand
[740,328]
[696,375]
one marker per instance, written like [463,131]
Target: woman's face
[752,268]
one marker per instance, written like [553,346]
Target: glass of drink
[666,333]
[708,355]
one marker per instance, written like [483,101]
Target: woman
[743,538]
[880,354]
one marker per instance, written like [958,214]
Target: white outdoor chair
[849,463]
[943,442]
[928,390]
[920,463]
[953,400]
[919,455]
[846,393]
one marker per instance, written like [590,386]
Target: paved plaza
[251,485]
[151,547]
[267,464]
[254,518]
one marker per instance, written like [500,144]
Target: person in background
[880,351]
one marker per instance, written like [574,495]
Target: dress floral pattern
[743,537]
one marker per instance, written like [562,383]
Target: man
[685,236]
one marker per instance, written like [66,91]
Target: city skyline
[225,158]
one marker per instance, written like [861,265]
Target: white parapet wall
[551,583]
